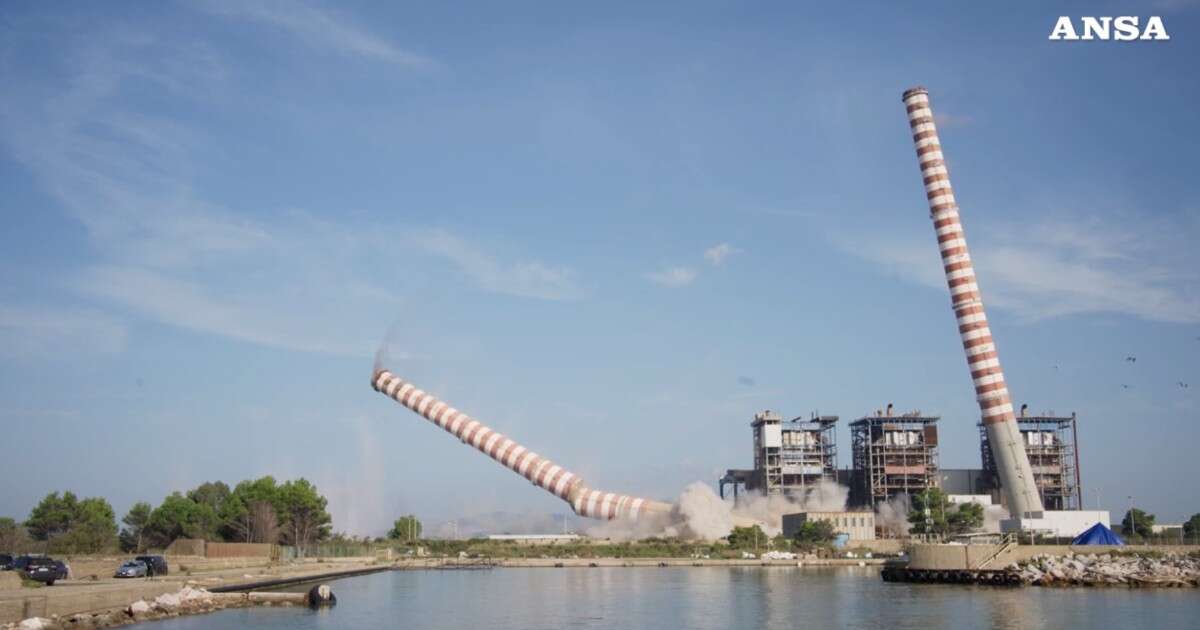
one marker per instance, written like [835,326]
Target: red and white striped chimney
[539,470]
[1016,475]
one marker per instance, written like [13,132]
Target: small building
[537,539]
[959,499]
[859,525]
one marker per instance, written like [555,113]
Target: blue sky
[613,232]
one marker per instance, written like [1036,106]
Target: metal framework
[1050,444]
[893,455]
[789,457]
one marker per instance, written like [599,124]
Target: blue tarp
[1098,534]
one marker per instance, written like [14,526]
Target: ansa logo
[1124,28]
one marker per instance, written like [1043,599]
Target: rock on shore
[1109,569]
[185,601]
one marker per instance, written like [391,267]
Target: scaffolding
[1050,443]
[789,457]
[893,455]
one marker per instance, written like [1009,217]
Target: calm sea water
[707,597]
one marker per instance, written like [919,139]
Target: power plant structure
[539,470]
[1050,444]
[983,360]
[892,455]
[789,457]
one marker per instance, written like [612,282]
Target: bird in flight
[1131,359]
[1124,386]
[1183,385]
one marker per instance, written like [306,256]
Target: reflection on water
[709,597]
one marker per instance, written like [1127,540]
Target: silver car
[131,569]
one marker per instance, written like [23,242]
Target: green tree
[93,528]
[814,532]
[251,512]
[53,516]
[1137,523]
[966,517]
[180,517]
[302,519]
[933,513]
[405,528]
[1191,528]
[210,493]
[133,535]
[9,534]
[751,537]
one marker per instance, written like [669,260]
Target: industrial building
[893,455]
[858,525]
[789,457]
[1050,444]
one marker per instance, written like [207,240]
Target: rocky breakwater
[1134,570]
[185,601]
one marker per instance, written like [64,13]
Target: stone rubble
[1110,569]
[186,601]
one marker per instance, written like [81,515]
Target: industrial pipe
[991,391]
[540,471]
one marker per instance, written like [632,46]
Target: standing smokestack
[1016,475]
[540,471]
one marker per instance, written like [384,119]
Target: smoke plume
[699,514]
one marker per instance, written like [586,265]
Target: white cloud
[317,28]
[717,254]
[38,331]
[1065,267]
[166,253]
[526,279]
[673,277]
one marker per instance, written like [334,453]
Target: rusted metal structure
[893,455]
[983,360]
[790,457]
[539,470]
[1050,444]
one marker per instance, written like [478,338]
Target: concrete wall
[57,600]
[879,545]
[934,556]
[186,547]
[240,550]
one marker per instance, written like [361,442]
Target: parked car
[132,569]
[20,562]
[155,565]
[6,562]
[41,569]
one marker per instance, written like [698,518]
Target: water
[703,598]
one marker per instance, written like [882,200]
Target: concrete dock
[74,596]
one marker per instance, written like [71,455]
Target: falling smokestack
[540,471]
[991,391]
[889,410]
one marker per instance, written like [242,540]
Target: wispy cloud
[161,250]
[318,28]
[526,278]
[1065,267]
[717,254]
[673,277]
[36,331]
